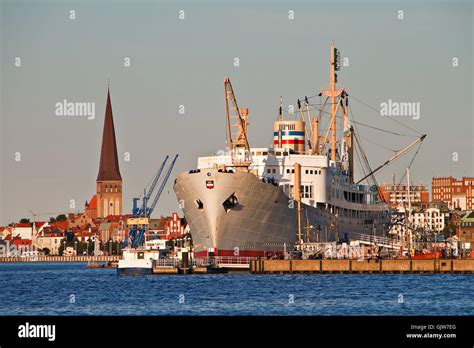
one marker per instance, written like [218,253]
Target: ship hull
[262,220]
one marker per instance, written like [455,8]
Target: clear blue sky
[176,62]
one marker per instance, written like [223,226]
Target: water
[49,289]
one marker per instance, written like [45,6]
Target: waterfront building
[431,218]
[457,194]
[90,208]
[85,236]
[175,227]
[158,226]
[22,231]
[60,225]
[465,228]
[39,226]
[50,238]
[111,230]
[20,242]
[38,230]
[78,220]
[397,195]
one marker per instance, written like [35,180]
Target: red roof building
[91,208]
[18,242]
[174,227]
[458,194]
[61,225]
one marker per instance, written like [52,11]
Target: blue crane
[162,186]
[148,194]
[137,233]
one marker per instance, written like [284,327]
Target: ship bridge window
[199,204]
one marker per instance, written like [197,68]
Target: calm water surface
[49,289]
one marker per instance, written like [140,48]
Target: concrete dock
[261,266]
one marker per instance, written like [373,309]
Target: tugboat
[141,260]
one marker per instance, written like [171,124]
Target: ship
[259,201]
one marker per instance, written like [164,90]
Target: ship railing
[167,263]
[220,261]
[200,262]
[374,239]
[233,260]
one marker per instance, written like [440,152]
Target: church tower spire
[109,180]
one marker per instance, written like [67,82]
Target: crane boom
[162,186]
[394,157]
[148,194]
[237,124]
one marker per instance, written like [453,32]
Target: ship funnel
[289,134]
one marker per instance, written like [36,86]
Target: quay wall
[259,266]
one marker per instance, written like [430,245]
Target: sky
[47,160]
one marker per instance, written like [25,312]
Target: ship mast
[333,93]
[332,87]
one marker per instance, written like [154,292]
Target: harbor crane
[140,216]
[148,194]
[237,126]
[150,210]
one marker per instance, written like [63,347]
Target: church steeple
[109,180]
[109,166]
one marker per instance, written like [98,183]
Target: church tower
[109,180]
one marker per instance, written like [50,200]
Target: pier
[208,265]
[261,266]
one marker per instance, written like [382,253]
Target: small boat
[109,264]
[137,261]
[428,255]
[95,265]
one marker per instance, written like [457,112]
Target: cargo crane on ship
[237,126]
[140,215]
